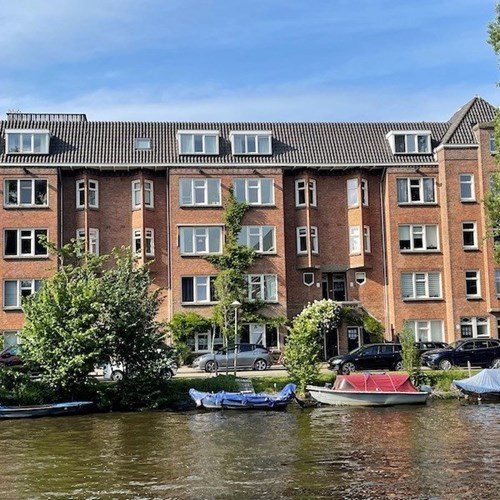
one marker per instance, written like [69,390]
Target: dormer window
[27,141]
[143,144]
[198,142]
[410,142]
[251,143]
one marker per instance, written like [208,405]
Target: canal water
[446,449]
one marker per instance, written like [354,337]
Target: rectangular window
[421,285]
[137,194]
[87,190]
[15,290]
[149,249]
[492,142]
[304,188]
[416,190]
[254,191]
[198,142]
[472,286]
[251,143]
[467,191]
[149,237]
[426,330]
[26,193]
[364,192]
[354,240]
[137,241]
[412,143]
[198,289]
[93,246]
[418,237]
[469,235]
[262,287]
[260,238]
[24,243]
[142,144]
[366,239]
[200,192]
[352,193]
[474,327]
[302,242]
[497,282]
[200,240]
[11,338]
[27,142]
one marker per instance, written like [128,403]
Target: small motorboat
[48,410]
[370,389]
[485,386]
[244,400]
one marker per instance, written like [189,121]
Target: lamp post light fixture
[236,306]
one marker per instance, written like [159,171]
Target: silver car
[251,356]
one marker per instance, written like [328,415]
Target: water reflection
[442,450]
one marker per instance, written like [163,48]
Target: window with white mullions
[260,238]
[426,285]
[200,192]
[15,290]
[26,193]
[413,190]
[304,243]
[27,142]
[200,240]
[474,327]
[472,285]
[248,143]
[469,235]
[262,287]
[304,189]
[137,194]
[254,191]
[467,190]
[198,289]
[93,246]
[25,243]
[418,237]
[198,142]
[426,330]
[87,190]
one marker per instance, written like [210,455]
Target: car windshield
[454,345]
[358,349]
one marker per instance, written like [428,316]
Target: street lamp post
[236,306]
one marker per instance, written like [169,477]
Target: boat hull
[329,396]
[50,410]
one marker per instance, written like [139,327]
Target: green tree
[303,349]
[409,352]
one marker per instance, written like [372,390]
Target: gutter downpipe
[168,243]
[61,211]
[384,251]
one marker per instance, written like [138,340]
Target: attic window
[410,142]
[143,144]
[27,141]
[251,143]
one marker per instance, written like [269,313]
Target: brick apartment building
[387,216]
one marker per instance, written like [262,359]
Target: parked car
[254,356]
[116,371]
[479,352]
[10,356]
[369,357]
[424,346]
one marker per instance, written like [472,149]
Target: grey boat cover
[487,380]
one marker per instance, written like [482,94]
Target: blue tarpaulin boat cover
[485,381]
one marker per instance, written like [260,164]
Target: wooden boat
[368,389]
[244,400]
[49,410]
[485,386]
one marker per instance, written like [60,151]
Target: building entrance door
[334,287]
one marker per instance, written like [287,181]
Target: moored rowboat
[48,410]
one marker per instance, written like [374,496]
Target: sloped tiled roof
[329,145]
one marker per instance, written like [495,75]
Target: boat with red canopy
[370,389]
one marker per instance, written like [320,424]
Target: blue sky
[246,60]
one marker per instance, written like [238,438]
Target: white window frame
[497,283]
[418,183]
[252,135]
[20,237]
[492,145]
[308,278]
[189,187]
[473,278]
[16,333]
[142,144]
[475,322]
[467,180]
[306,189]
[354,240]
[250,183]
[137,194]
[257,234]
[352,193]
[411,141]
[149,241]
[367,244]
[87,187]
[200,133]
[198,282]
[9,133]
[21,284]
[419,279]
[33,203]
[360,277]
[137,241]
[423,330]
[364,192]
[258,282]
[310,242]
[93,245]
[198,232]
[470,230]
[414,234]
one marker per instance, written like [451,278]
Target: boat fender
[426,388]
